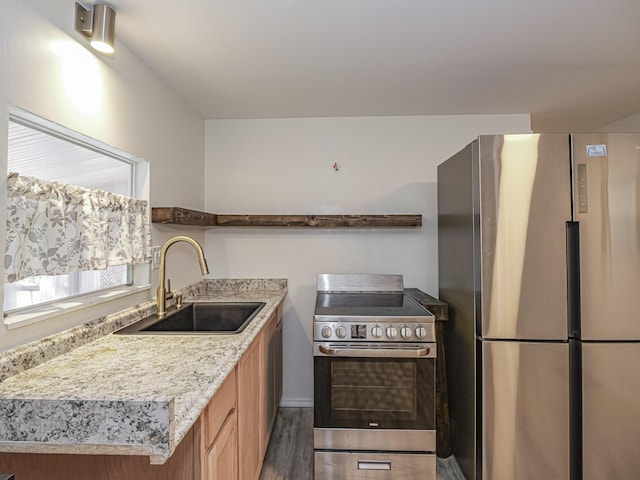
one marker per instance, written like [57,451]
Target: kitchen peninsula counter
[126,394]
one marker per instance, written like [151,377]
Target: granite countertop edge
[119,394]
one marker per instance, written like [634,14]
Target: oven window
[374,387]
[389,393]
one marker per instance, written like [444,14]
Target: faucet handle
[169,293]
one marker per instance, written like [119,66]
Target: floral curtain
[54,229]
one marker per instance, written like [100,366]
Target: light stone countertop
[129,395]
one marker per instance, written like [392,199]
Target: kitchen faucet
[165,294]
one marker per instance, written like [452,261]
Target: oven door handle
[338,351]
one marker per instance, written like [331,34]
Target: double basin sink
[197,318]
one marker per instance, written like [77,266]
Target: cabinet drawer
[374,466]
[222,403]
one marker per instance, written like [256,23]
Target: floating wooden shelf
[183,216]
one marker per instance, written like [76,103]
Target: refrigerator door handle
[573,279]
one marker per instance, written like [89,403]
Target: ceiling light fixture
[98,25]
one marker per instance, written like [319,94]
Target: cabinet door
[249,411]
[278,372]
[220,407]
[219,455]
[269,381]
[222,457]
[273,372]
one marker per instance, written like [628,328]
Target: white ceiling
[572,64]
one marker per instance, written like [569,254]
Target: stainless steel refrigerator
[539,261]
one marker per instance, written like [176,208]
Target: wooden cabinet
[259,391]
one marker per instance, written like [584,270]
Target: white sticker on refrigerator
[597,150]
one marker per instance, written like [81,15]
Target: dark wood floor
[290,452]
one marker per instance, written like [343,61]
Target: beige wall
[46,69]
[386,165]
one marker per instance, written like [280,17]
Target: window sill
[52,310]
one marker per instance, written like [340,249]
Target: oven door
[389,387]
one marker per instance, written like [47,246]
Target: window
[40,149]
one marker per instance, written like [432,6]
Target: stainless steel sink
[197,318]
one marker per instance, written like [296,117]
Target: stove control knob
[376,332]
[421,332]
[406,332]
[341,332]
[392,332]
[326,331]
